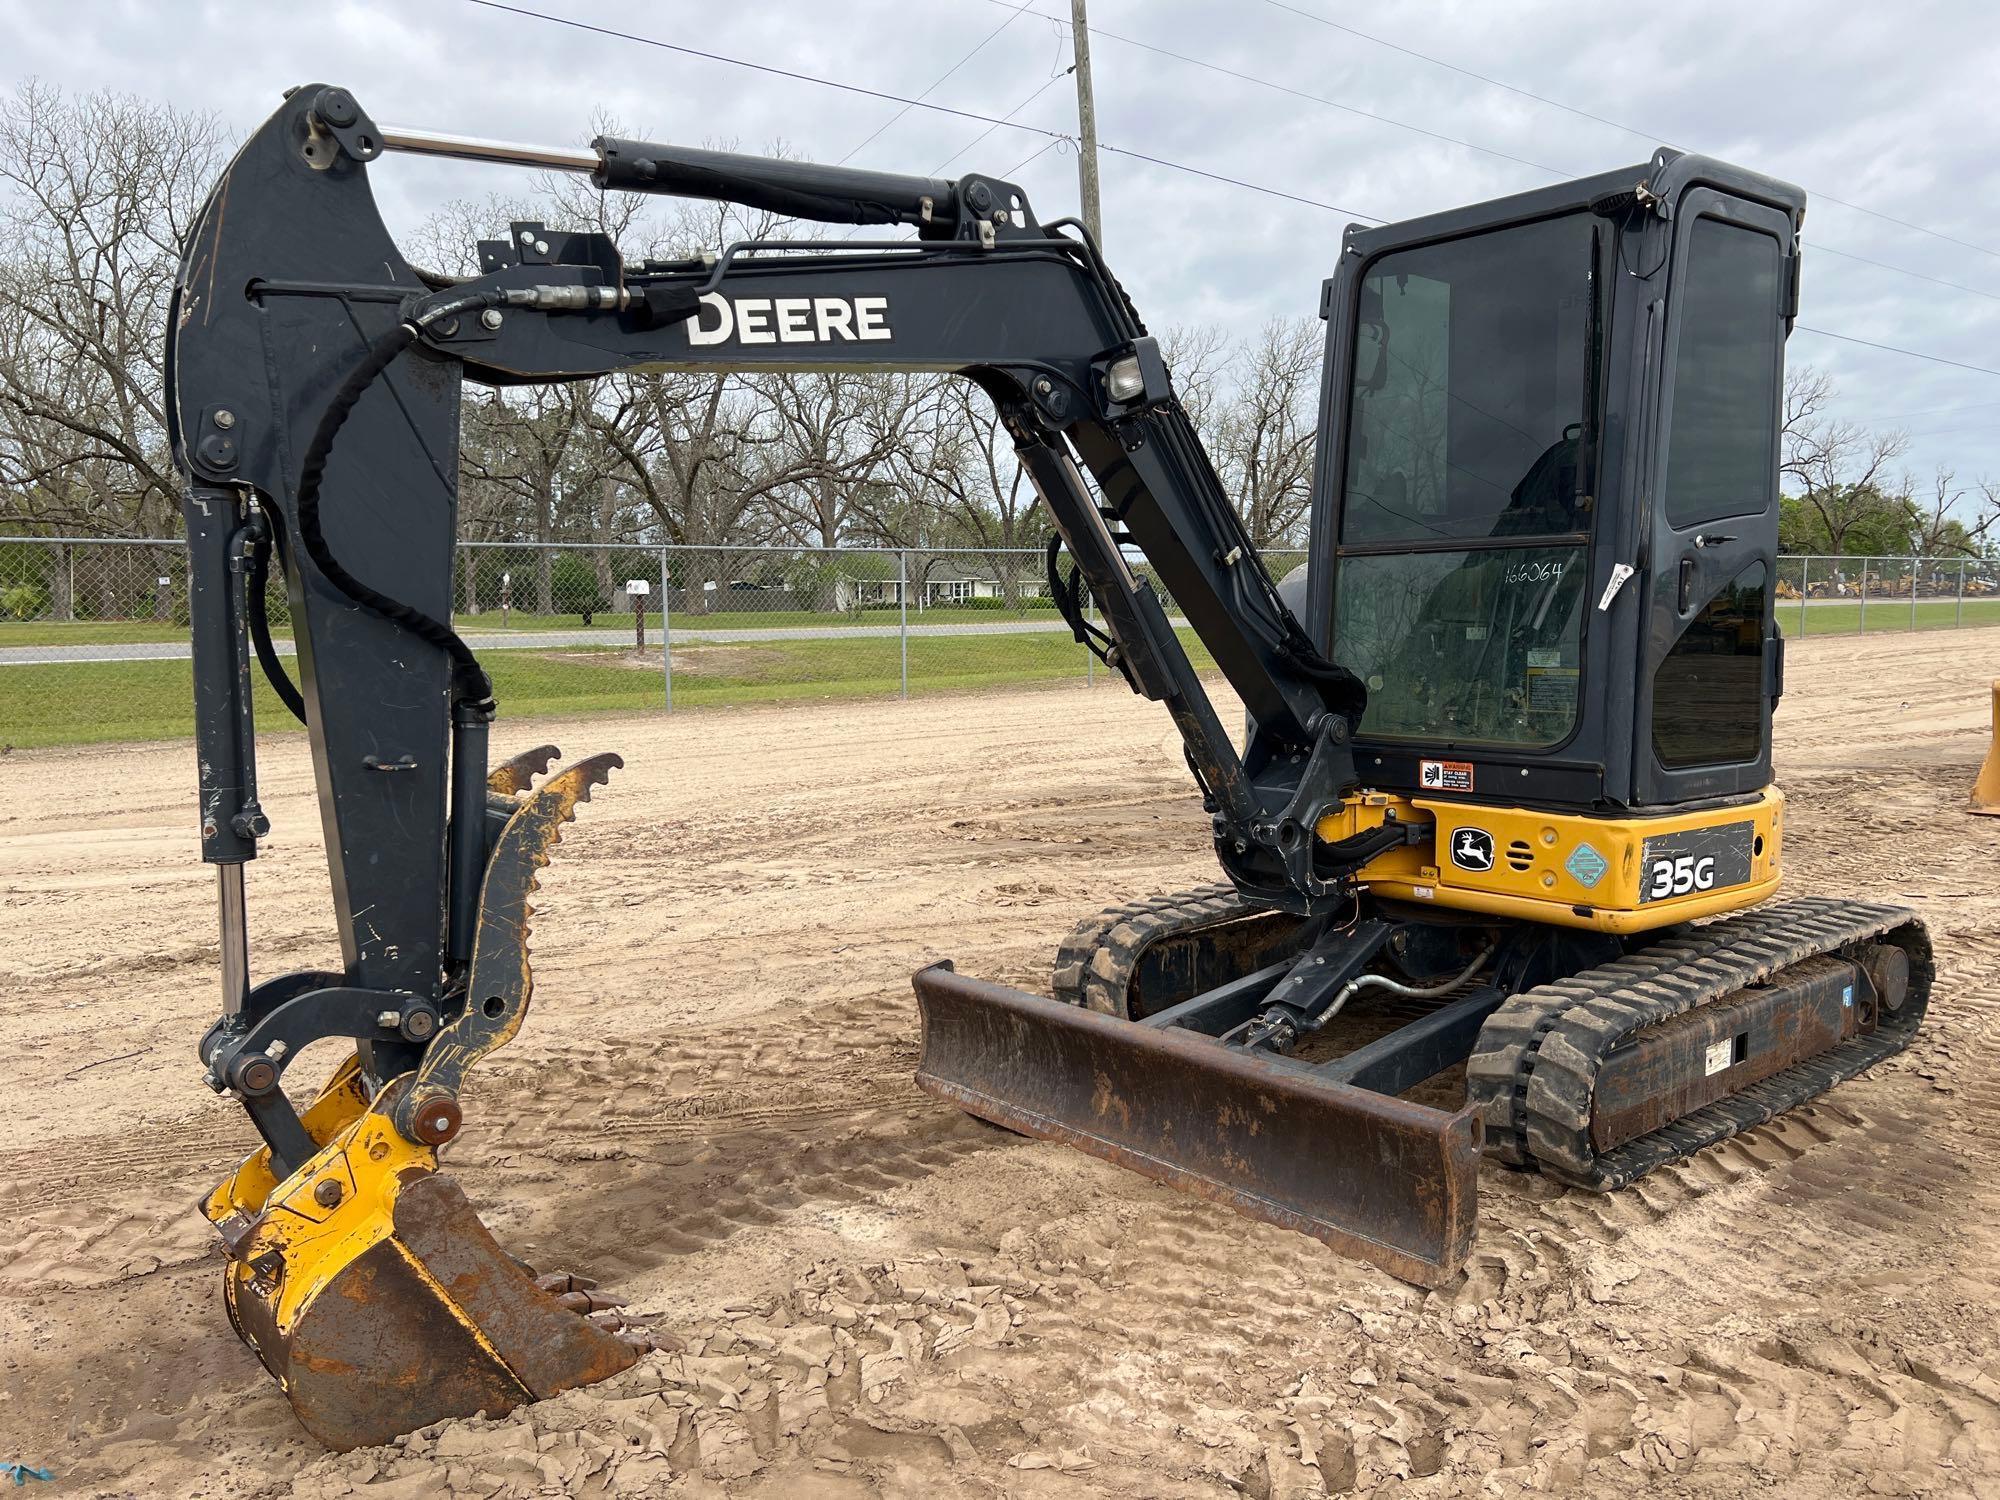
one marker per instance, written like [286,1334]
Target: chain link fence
[94,644]
[94,634]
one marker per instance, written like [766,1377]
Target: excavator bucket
[376,1297]
[1375,1177]
[1986,790]
[364,1280]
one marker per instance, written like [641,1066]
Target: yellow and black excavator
[1505,776]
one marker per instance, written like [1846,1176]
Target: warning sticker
[1552,689]
[1445,775]
[1719,1056]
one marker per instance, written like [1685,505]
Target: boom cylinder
[800,189]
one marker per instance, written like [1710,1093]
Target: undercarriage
[1369,1061]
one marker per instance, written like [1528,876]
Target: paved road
[520,640]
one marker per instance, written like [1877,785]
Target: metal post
[1086,122]
[903,606]
[1862,628]
[1805,589]
[1958,615]
[1916,568]
[666,629]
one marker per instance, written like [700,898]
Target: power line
[1936,359]
[737,62]
[1647,135]
[936,84]
[1054,136]
[1039,151]
[1160,161]
[1929,432]
[1008,119]
[1282,88]
[1939,411]
[855,88]
[1557,172]
[1956,286]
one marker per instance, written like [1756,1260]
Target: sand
[711,1109]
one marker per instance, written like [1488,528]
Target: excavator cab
[1500,768]
[1520,427]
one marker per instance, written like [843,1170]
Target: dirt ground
[711,1108]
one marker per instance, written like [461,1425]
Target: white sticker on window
[1719,1056]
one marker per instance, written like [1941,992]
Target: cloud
[1886,107]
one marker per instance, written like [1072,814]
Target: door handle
[1687,579]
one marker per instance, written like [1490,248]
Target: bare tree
[1840,468]
[958,458]
[831,437]
[1266,428]
[1198,354]
[96,195]
[1936,529]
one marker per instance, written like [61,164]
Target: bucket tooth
[517,775]
[1374,1177]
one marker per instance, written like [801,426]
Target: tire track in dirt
[876,1294]
[686,1141]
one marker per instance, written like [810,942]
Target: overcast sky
[1888,107]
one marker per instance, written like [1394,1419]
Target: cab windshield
[1462,569]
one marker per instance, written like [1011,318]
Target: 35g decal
[1696,860]
[1680,876]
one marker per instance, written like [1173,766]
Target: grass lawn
[61,703]
[94,632]
[90,702]
[490,622]
[1818,618]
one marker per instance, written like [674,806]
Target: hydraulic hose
[260,623]
[470,684]
[1395,987]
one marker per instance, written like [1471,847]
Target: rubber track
[1533,1071]
[1095,964]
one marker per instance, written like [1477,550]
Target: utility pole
[1086,120]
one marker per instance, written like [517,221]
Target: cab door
[1709,669]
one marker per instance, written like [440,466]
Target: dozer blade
[374,1294]
[1377,1178]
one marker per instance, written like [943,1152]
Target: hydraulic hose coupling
[569,298]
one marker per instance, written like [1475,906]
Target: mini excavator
[1503,800]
